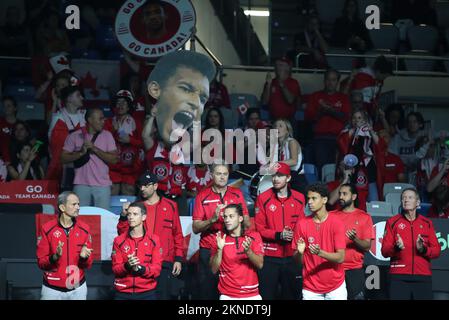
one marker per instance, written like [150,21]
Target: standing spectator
[208,219]
[410,249]
[128,138]
[394,169]
[136,258]
[359,236]
[91,150]
[440,203]
[65,121]
[439,176]
[10,115]
[319,244]
[370,81]
[24,166]
[392,119]
[312,43]
[15,38]
[356,100]
[162,220]
[277,212]
[362,141]
[426,152]
[329,110]
[64,246]
[349,30]
[237,264]
[281,94]
[403,144]
[252,117]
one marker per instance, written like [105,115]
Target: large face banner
[180,84]
[153,28]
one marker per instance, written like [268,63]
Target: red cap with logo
[282,168]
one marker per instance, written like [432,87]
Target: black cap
[67,91]
[146,178]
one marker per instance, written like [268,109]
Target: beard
[345,204]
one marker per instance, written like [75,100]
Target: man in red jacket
[329,111]
[64,249]
[136,258]
[277,212]
[410,243]
[208,219]
[162,219]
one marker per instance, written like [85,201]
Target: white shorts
[225,297]
[338,294]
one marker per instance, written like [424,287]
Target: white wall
[212,34]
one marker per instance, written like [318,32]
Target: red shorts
[118,177]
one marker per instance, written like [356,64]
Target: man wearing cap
[208,219]
[328,110]
[65,121]
[162,220]
[277,212]
[128,137]
[281,94]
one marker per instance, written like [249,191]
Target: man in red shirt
[329,110]
[136,258]
[410,243]
[208,219]
[282,93]
[359,234]
[64,252]
[162,219]
[277,212]
[319,241]
[237,255]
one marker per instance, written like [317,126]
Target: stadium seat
[107,111]
[379,209]
[105,37]
[340,63]
[87,210]
[395,187]
[311,172]
[22,92]
[419,64]
[117,202]
[395,200]
[230,118]
[328,172]
[423,37]
[327,12]
[238,99]
[363,4]
[424,208]
[30,111]
[387,37]
[48,209]
[442,10]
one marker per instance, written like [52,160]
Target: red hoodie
[409,261]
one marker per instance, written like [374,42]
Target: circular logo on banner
[151,30]
[178,177]
[376,245]
[161,171]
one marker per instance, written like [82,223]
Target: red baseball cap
[285,60]
[282,168]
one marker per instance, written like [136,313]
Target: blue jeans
[101,196]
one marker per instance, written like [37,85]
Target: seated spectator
[370,80]
[50,37]
[440,203]
[356,100]
[218,94]
[128,138]
[199,177]
[10,115]
[281,94]
[350,31]
[252,117]
[15,38]
[329,110]
[21,133]
[403,144]
[313,44]
[361,140]
[25,165]
[419,11]
[394,169]
[91,149]
[392,119]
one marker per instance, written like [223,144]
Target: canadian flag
[59,63]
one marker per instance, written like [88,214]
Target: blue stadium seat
[20,91]
[86,54]
[30,111]
[327,12]
[379,209]
[237,99]
[387,37]
[442,10]
[424,208]
[395,187]
[118,201]
[423,37]
[311,172]
[115,55]
[105,37]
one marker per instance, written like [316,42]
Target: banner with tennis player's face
[153,28]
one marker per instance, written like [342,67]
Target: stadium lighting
[257,13]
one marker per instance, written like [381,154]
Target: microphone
[350,160]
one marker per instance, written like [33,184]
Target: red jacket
[272,216]
[149,252]
[166,225]
[371,88]
[409,261]
[61,275]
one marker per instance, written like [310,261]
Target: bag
[78,163]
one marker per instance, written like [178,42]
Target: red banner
[94,222]
[30,191]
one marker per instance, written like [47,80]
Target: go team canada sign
[134,34]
